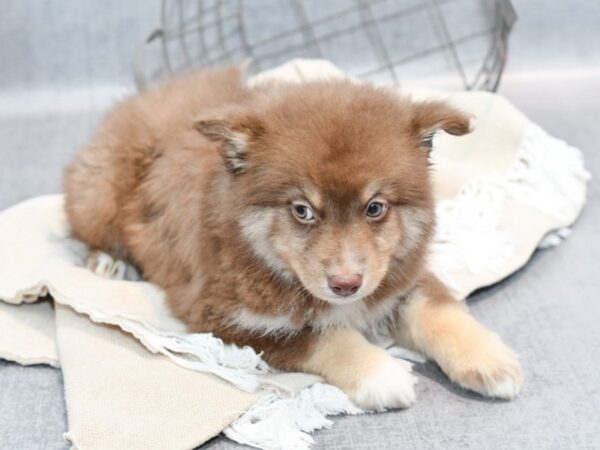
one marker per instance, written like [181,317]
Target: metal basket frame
[212,16]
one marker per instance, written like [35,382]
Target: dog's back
[107,181]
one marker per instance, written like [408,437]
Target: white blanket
[134,379]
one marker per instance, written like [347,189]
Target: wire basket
[460,44]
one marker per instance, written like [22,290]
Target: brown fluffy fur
[193,183]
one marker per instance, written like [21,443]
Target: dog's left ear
[233,134]
[430,117]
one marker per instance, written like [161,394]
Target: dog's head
[329,181]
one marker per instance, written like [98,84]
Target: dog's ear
[234,135]
[430,117]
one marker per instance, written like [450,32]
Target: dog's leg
[371,377]
[432,322]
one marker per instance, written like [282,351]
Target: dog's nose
[346,285]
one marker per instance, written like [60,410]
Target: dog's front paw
[490,369]
[389,385]
[106,266]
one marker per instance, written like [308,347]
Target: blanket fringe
[276,423]
[201,352]
[546,176]
[206,353]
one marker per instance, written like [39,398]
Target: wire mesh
[460,43]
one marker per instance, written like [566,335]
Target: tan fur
[195,182]
[371,377]
[344,357]
[472,356]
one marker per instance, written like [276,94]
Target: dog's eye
[302,212]
[376,210]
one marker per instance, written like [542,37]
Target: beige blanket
[134,379]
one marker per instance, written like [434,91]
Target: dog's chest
[358,315]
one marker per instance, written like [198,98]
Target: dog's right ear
[233,136]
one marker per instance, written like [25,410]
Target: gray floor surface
[549,311]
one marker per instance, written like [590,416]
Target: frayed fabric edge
[201,352]
[29,361]
[546,176]
[276,423]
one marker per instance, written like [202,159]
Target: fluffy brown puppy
[294,219]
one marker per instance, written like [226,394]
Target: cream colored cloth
[118,394]
[134,380]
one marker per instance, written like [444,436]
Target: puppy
[292,218]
